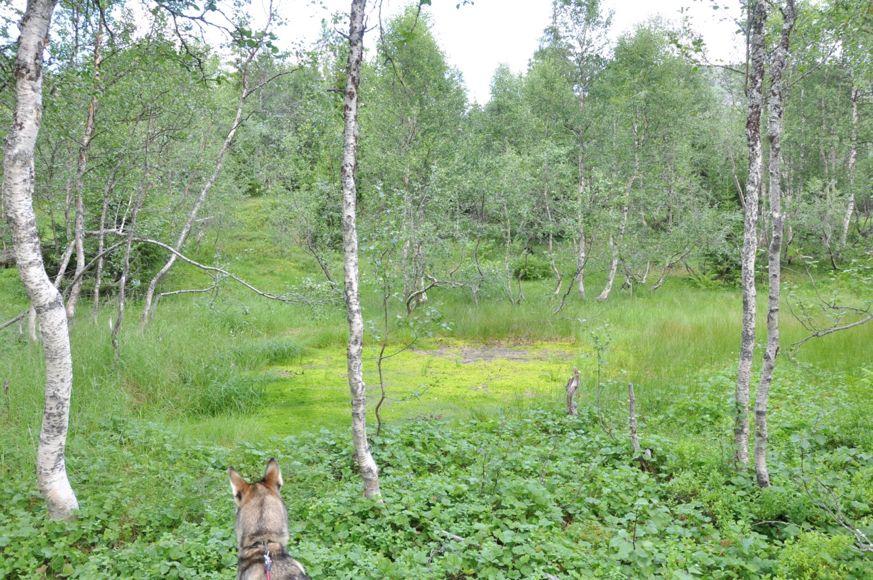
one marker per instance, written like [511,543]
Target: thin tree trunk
[149,305]
[420,290]
[668,264]
[853,159]
[774,265]
[581,259]
[750,238]
[364,458]
[81,165]
[632,419]
[582,256]
[101,241]
[614,249]
[559,276]
[408,239]
[18,184]
[662,278]
[131,233]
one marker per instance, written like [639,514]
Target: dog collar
[268,562]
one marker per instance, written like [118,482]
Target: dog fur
[262,523]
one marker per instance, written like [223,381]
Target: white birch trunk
[613,268]
[581,260]
[750,230]
[363,456]
[582,256]
[18,182]
[777,220]
[81,165]
[853,160]
[614,249]
[559,276]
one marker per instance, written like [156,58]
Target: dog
[262,528]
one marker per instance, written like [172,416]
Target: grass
[239,378]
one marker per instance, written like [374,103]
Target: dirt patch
[485,353]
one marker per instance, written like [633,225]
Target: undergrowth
[530,494]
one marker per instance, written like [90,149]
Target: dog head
[260,512]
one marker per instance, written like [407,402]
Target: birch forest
[610,318]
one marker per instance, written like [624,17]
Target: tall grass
[243,367]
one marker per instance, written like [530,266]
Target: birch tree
[775,111]
[243,39]
[616,242]
[18,187]
[81,166]
[364,458]
[852,167]
[137,204]
[754,87]
[580,26]
[413,120]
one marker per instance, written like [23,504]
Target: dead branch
[572,387]
[12,321]
[830,330]
[322,263]
[433,282]
[632,419]
[570,286]
[211,288]
[214,269]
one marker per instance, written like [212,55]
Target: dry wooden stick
[572,387]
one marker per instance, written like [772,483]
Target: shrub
[816,556]
[531,268]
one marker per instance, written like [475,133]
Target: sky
[479,37]
[476,38]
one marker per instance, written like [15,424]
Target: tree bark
[613,268]
[364,458]
[632,419]
[101,242]
[559,276]
[853,159]
[18,184]
[582,256]
[572,387]
[129,238]
[615,247]
[581,260]
[64,262]
[757,18]
[81,165]
[777,219]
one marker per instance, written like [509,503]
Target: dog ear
[272,475]
[238,485]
